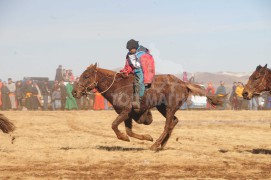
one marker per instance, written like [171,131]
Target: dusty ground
[81,145]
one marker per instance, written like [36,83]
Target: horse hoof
[148,137]
[154,147]
[124,137]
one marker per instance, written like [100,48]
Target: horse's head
[257,82]
[87,82]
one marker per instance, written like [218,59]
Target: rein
[261,83]
[265,87]
[96,84]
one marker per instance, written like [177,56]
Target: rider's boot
[136,97]
[136,102]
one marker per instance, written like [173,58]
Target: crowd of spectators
[235,100]
[32,94]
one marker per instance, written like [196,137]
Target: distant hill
[215,78]
[228,77]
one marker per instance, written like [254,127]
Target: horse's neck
[105,79]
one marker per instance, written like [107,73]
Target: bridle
[95,83]
[261,84]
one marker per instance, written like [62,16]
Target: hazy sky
[196,35]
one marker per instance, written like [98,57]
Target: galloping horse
[167,93]
[258,82]
[5,125]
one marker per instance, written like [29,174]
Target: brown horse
[258,82]
[5,125]
[167,93]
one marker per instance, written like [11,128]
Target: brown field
[81,145]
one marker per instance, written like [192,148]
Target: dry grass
[81,145]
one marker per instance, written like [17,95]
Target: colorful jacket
[148,67]
[146,63]
[239,91]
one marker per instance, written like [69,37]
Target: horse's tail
[212,99]
[5,125]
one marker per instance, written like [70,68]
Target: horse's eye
[86,76]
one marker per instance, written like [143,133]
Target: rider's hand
[124,75]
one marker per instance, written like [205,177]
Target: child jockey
[141,63]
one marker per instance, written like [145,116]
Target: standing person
[70,101]
[19,94]
[1,84]
[268,99]
[91,100]
[45,92]
[185,78]
[12,88]
[253,104]
[221,91]
[239,90]
[210,90]
[5,97]
[85,103]
[53,88]
[233,97]
[99,103]
[35,96]
[70,75]
[59,74]
[63,92]
[66,75]
[192,78]
[261,102]
[27,89]
[79,102]
[56,99]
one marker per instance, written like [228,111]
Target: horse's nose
[245,94]
[74,93]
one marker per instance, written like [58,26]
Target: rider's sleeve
[127,68]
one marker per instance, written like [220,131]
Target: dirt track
[81,145]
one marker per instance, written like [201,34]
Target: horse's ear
[258,68]
[95,66]
[262,71]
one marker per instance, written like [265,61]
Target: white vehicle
[195,102]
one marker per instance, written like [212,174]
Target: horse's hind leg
[162,110]
[128,125]
[171,122]
[172,125]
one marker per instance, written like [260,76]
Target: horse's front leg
[129,125]
[122,117]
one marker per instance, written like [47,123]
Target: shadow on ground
[118,148]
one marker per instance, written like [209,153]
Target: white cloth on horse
[134,61]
